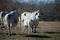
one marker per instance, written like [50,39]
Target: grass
[37,36]
[45,31]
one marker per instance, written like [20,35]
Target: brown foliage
[50,11]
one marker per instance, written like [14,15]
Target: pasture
[46,30]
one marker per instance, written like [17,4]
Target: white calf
[30,20]
[24,18]
[36,20]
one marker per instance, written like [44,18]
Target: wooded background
[50,12]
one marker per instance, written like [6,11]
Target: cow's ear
[36,14]
[38,10]
[25,14]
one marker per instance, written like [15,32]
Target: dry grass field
[46,30]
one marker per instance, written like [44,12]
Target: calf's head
[37,14]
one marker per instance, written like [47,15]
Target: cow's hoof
[34,32]
[9,34]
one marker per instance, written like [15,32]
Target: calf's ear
[25,14]
[38,10]
[36,14]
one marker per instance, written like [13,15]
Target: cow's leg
[35,29]
[8,28]
[1,21]
[11,29]
[26,28]
[22,28]
[29,29]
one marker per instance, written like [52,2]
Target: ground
[46,30]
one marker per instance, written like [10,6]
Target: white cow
[30,20]
[24,17]
[10,20]
[2,14]
[36,17]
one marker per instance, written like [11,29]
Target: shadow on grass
[7,34]
[38,36]
[53,32]
[28,35]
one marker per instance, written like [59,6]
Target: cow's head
[37,14]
